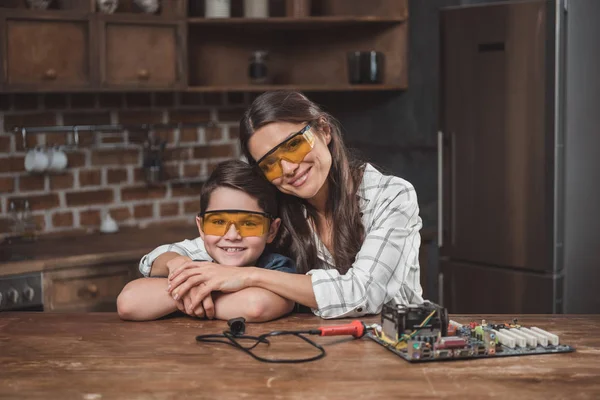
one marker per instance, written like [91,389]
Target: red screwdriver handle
[355,328]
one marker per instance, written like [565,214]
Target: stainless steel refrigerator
[519,158]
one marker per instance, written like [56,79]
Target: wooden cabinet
[47,54]
[92,288]
[74,46]
[156,62]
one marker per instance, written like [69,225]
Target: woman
[353,231]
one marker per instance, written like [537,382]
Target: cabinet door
[140,55]
[87,288]
[498,136]
[46,54]
[479,289]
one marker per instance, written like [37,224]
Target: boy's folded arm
[145,299]
[253,303]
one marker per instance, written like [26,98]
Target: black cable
[233,341]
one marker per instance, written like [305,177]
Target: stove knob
[28,293]
[12,296]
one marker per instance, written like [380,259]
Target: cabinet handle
[440,149]
[50,74]
[91,290]
[143,74]
[441,289]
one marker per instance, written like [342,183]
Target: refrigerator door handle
[441,289]
[440,150]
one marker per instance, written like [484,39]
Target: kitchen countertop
[91,249]
[97,356]
[129,244]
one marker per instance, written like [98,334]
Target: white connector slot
[531,340]
[520,341]
[551,337]
[504,339]
[542,340]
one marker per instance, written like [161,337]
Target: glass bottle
[29,226]
[258,71]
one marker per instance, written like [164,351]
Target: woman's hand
[177,262]
[215,277]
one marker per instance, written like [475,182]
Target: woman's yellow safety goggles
[247,223]
[293,149]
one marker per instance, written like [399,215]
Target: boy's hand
[205,307]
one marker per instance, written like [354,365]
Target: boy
[236,223]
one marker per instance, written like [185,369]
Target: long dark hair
[296,237]
[236,174]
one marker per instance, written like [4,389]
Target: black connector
[237,326]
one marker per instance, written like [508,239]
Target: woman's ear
[326,128]
[273,229]
[199,225]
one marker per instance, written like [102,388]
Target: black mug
[365,67]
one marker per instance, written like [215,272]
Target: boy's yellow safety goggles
[247,223]
[293,149]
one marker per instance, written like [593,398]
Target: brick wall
[105,172]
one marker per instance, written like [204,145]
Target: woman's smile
[299,180]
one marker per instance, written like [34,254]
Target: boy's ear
[273,229]
[199,225]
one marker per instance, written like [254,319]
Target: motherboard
[420,333]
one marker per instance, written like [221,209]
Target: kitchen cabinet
[47,54]
[157,61]
[90,288]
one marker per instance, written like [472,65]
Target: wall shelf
[292,23]
[300,87]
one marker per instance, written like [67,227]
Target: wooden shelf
[300,87]
[294,23]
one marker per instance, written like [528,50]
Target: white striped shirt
[385,269]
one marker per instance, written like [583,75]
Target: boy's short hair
[236,174]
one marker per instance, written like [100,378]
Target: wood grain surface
[97,356]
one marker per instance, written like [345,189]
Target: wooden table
[97,356]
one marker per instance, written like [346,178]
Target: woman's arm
[155,262]
[160,266]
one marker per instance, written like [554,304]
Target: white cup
[36,160]
[57,159]
[217,8]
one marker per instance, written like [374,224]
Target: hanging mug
[57,159]
[36,160]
